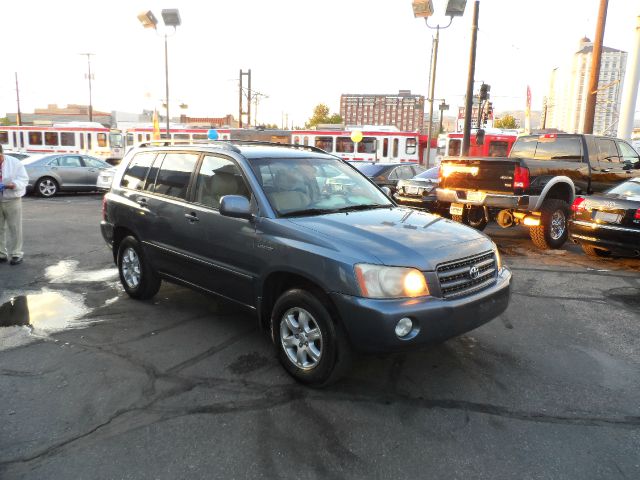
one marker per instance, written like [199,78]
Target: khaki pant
[11,228]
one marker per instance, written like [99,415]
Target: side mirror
[386,190]
[235,206]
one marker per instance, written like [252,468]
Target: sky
[301,53]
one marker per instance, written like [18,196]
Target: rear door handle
[192,217]
[605,170]
[142,201]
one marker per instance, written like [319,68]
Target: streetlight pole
[166,81]
[434,63]
[171,18]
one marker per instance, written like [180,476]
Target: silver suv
[328,263]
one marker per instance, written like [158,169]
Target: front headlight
[378,281]
[498,258]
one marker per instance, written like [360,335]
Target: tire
[136,275]
[475,217]
[46,187]
[310,345]
[553,230]
[594,251]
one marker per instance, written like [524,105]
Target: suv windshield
[308,186]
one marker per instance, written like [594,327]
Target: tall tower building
[404,110]
[568,90]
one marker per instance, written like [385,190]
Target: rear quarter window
[137,171]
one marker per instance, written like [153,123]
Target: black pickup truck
[537,183]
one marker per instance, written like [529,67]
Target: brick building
[404,110]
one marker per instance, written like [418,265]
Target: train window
[367,145]
[181,136]
[35,138]
[51,139]
[200,136]
[102,140]
[410,148]
[385,147]
[296,140]
[140,139]
[130,139]
[344,145]
[395,148]
[67,139]
[4,137]
[82,141]
[325,143]
[306,141]
[21,139]
[88,141]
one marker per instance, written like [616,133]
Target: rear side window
[4,137]
[137,171]
[175,172]
[524,147]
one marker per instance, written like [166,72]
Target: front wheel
[310,346]
[136,275]
[552,231]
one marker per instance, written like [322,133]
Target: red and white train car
[73,137]
[375,146]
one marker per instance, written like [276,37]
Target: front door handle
[192,217]
[605,170]
[142,201]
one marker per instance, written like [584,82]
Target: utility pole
[89,78]
[242,96]
[592,94]
[19,115]
[630,93]
[466,136]
[432,81]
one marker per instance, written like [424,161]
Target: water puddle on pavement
[66,271]
[44,312]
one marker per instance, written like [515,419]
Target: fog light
[404,327]
[531,221]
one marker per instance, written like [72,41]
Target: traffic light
[484,92]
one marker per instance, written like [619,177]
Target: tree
[508,121]
[320,115]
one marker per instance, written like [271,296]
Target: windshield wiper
[307,211]
[369,206]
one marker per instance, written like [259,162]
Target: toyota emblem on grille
[474,272]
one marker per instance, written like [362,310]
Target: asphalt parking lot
[100,386]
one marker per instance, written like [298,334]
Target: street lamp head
[422,8]
[148,19]
[171,17]
[455,8]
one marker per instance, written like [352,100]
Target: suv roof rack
[185,143]
[228,144]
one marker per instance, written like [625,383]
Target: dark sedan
[608,223]
[389,174]
[420,192]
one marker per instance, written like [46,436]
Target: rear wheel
[46,187]
[594,251]
[475,217]
[552,231]
[310,346]
[137,277]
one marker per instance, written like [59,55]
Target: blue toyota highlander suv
[325,259]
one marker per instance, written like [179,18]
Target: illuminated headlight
[498,258]
[377,281]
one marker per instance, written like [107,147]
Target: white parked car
[105,179]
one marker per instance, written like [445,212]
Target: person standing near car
[13,185]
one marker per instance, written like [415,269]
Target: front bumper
[370,323]
[487,199]
[615,238]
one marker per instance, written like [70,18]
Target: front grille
[456,279]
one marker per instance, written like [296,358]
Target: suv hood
[398,236]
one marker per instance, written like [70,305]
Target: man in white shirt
[13,185]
